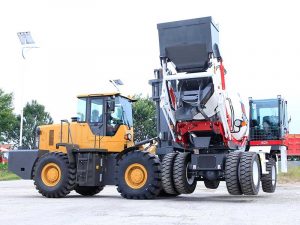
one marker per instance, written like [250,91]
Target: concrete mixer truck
[203,131]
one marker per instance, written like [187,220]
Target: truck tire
[250,173]
[163,194]
[138,175]
[88,191]
[53,175]
[211,184]
[269,181]
[167,174]
[184,183]
[232,173]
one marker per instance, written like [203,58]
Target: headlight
[128,137]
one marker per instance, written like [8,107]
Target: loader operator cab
[104,113]
[268,119]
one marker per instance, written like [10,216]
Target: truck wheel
[249,173]
[269,181]
[232,173]
[88,191]
[184,182]
[167,174]
[138,175]
[211,184]
[162,193]
[53,175]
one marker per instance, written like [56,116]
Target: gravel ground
[21,204]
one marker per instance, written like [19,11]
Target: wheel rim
[255,173]
[273,175]
[136,176]
[190,178]
[51,174]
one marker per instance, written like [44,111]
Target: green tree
[144,118]
[7,117]
[34,116]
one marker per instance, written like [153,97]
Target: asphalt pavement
[20,204]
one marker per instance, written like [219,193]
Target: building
[4,149]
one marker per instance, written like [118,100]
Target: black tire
[182,182]
[152,186]
[167,174]
[166,195]
[269,181]
[250,173]
[232,173]
[88,191]
[211,184]
[66,182]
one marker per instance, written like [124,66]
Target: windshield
[124,110]
[122,115]
[265,119]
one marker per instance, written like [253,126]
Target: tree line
[35,115]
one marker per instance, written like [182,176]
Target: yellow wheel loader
[94,150]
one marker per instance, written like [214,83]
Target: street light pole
[117,83]
[26,44]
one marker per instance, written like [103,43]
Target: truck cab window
[265,120]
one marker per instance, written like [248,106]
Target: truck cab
[268,121]
[269,129]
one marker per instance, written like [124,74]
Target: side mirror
[110,106]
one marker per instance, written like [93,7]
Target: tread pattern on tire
[246,173]
[232,173]
[154,185]
[167,174]
[67,186]
[179,174]
[88,191]
[266,179]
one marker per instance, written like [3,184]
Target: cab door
[96,116]
[285,120]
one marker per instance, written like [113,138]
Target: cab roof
[106,94]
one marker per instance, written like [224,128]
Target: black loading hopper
[188,43]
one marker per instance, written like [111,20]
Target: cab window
[122,115]
[81,109]
[114,119]
[96,115]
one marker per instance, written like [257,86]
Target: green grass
[5,174]
[293,175]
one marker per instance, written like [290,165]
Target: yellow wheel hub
[136,176]
[51,174]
